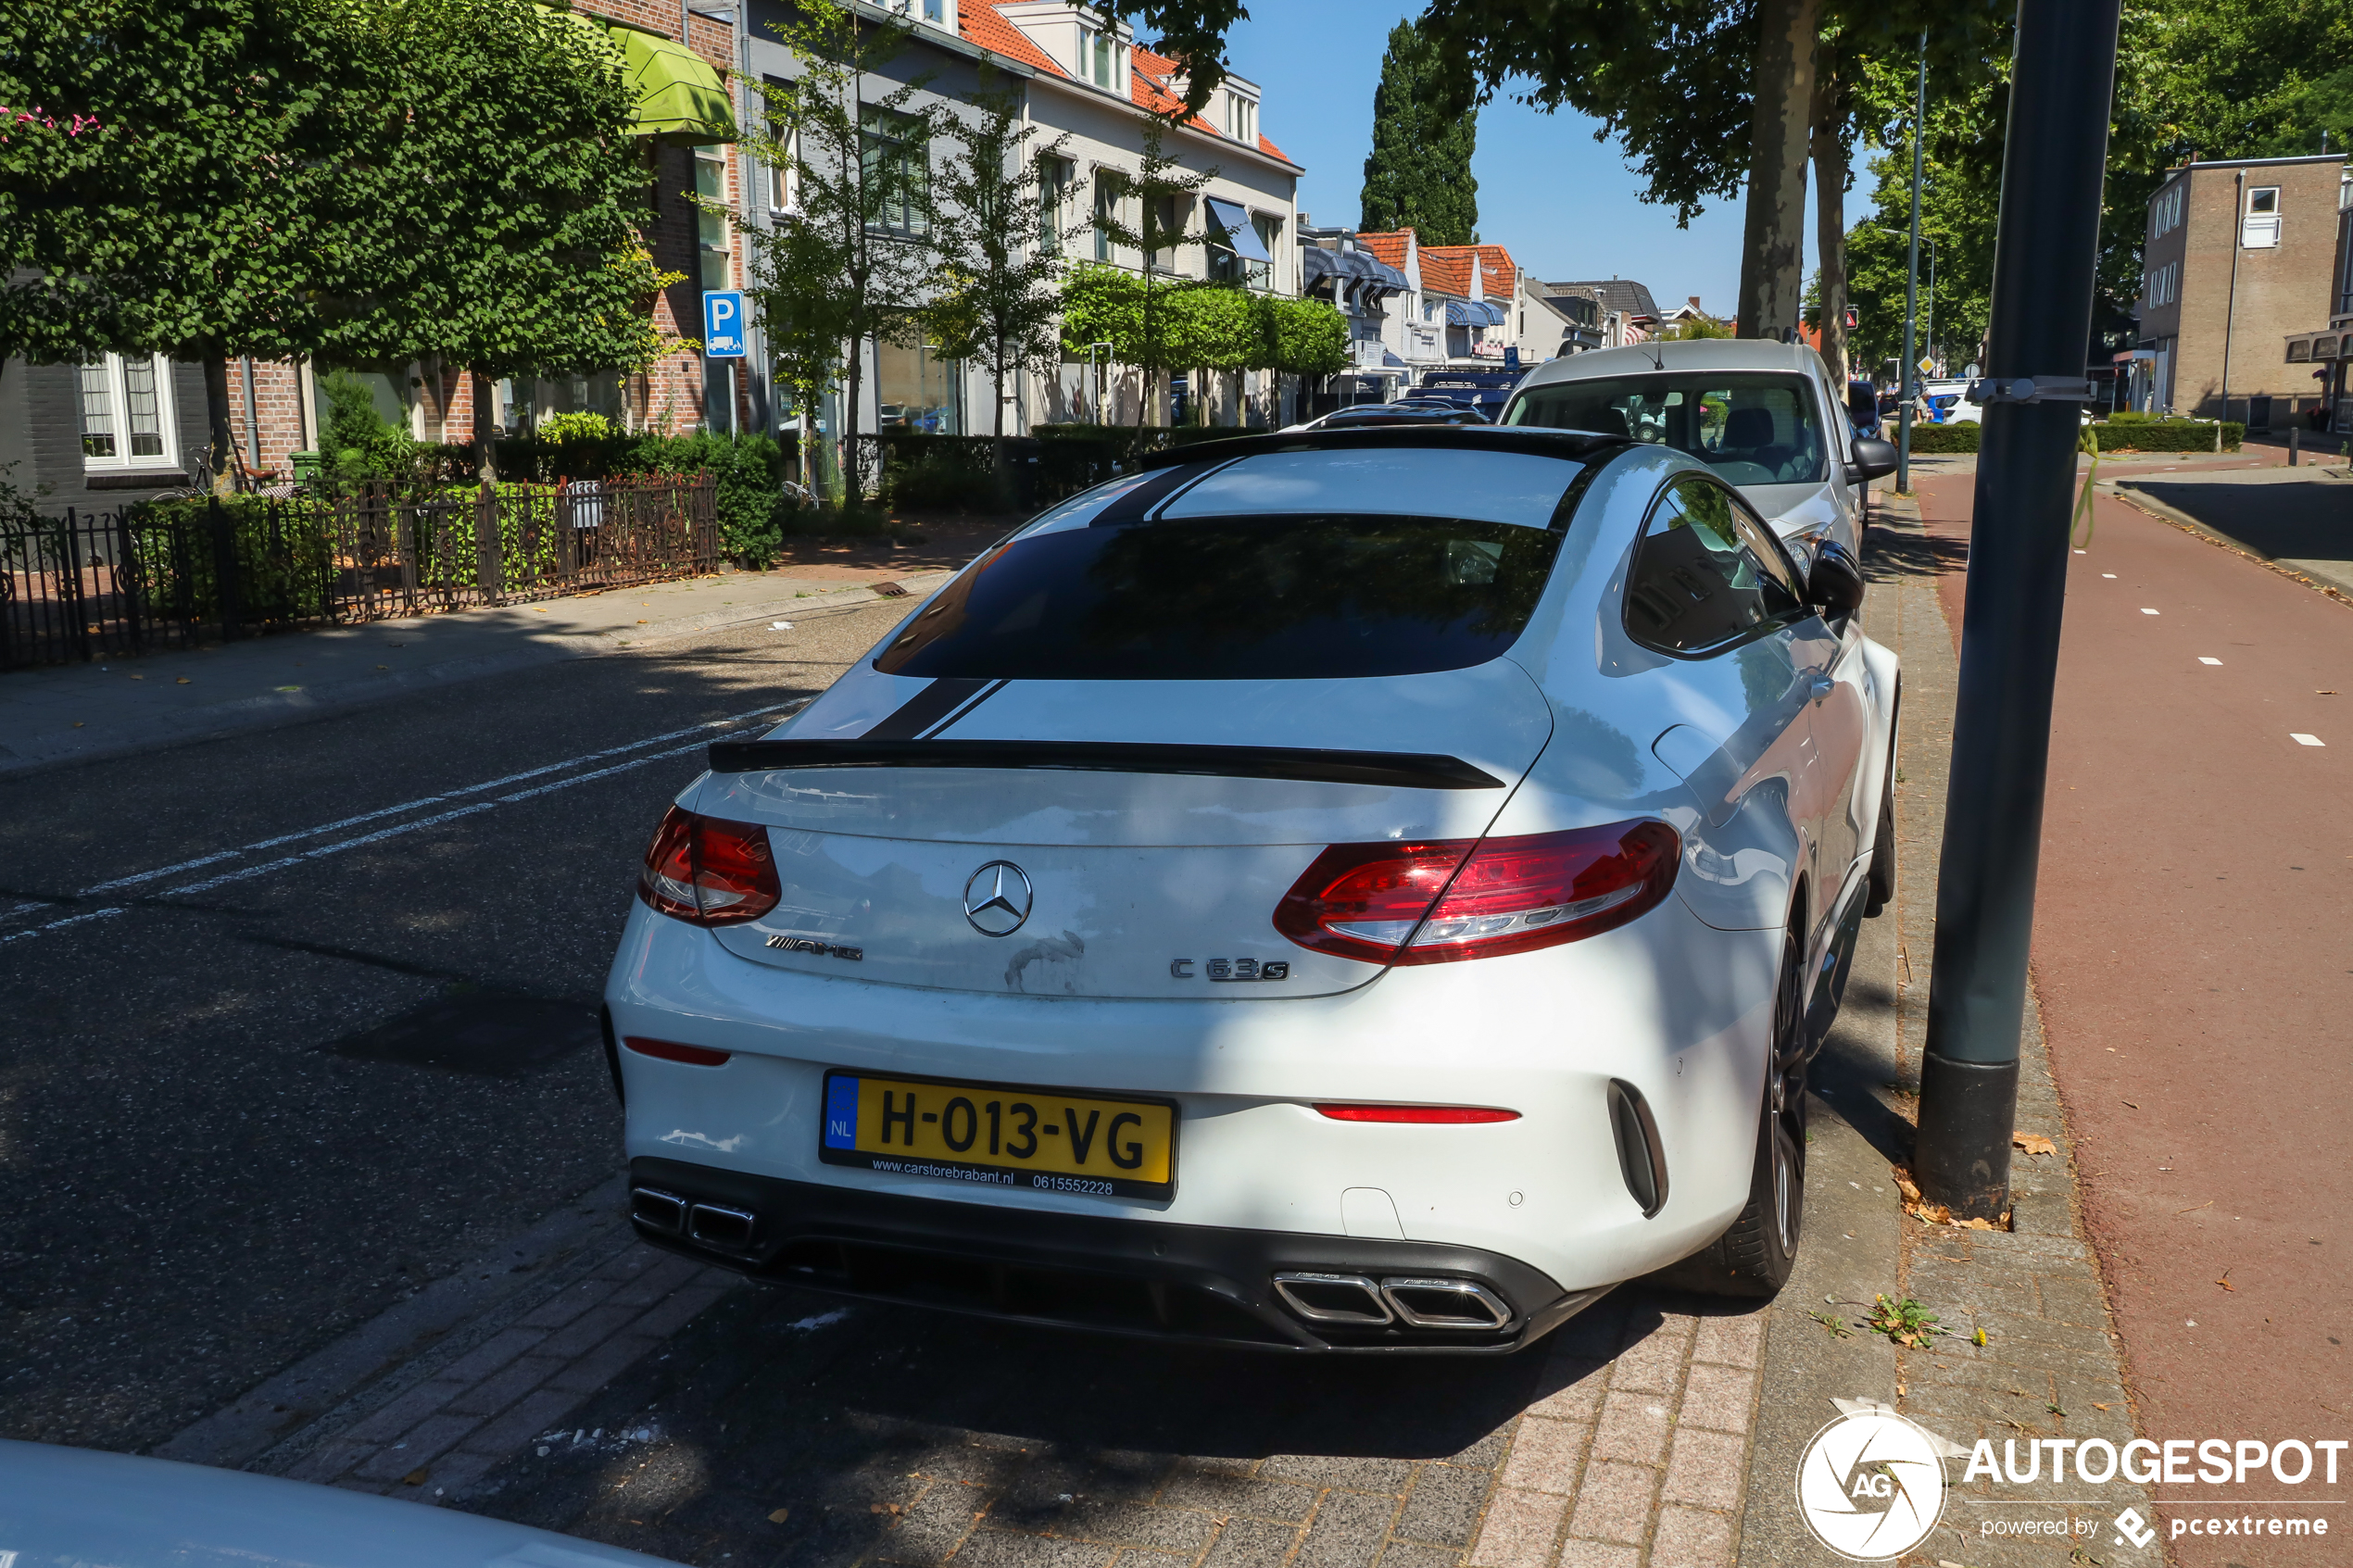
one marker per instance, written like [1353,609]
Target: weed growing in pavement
[1906,1321]
[1830,1321]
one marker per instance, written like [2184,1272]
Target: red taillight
[1425,1115]
[708,871]
[1434,903]
[671,1050]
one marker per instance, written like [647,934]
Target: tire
[1754,1257]
[1882,871]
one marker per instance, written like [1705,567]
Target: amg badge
[1231,970]
[810,944]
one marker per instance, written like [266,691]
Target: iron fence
[172,573]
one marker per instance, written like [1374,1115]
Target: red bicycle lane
[2193,962]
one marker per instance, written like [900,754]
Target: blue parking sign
[723,323]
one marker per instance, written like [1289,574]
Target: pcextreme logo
[1871,1486]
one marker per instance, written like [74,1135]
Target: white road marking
[2145,610]
[58,924]
[421,801]
[2302,739]
[2203,659]
[2109,575]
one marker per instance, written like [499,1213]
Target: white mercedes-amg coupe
[1367,890]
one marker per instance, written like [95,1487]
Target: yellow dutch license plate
[1044,1140]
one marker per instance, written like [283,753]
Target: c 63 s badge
[1230,969]
[823,950]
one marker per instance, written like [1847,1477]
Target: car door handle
[1819,687]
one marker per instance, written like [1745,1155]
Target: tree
[850,261]
[1160,189]
[372,185]
[1418,175]
[999,253]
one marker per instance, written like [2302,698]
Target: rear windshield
[1751,427]
[1205,590]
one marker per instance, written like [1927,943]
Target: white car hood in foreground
[70,1508]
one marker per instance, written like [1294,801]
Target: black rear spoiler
[1398,769]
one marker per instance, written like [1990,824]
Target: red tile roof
[1273,151]
[1447,269]
[981,25]
[1391,247]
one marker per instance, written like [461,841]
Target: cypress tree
[1419,173]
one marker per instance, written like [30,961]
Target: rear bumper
[1142,1278]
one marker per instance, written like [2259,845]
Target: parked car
[1765,416]
[64,1508]
[1363,415]
[1343,889]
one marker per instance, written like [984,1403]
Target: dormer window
[1242,117]
[1099,58]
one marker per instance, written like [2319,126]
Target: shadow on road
[2311,520]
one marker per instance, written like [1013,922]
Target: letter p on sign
[722,324]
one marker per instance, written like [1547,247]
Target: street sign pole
[1911,285]
[2045,252]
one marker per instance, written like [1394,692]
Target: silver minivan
[1765,416]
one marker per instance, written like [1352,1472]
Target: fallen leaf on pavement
[2129,1103]
[414,1478]
[2034,1142]
[2225,1282]
[779,1516]
[2098,1406]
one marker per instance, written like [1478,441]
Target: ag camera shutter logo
[1871,1486]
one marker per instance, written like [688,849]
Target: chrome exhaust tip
[1461,1304]
[715,1225]
[1351,1300]
[657,1209]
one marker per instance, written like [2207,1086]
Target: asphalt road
[197,1186]
[2192,961]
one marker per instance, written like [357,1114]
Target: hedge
[2114,436]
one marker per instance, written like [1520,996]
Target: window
[1106,52]
[126,413]
[2165,212]
[1054,177]
[1752,427]
[936,12]
[1111,189]
[1167,228]
[1706,573]
[915,390]
[711,228]
[1242,117]
[1292,566]
[1262,274]
[784,195]
[2260,226]
[897,166]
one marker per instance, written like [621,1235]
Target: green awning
[680,97]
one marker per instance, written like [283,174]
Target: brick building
[2239,256]
[2326,353]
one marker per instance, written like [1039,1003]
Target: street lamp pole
[1911,285]
[1928,316]
[1096,370]
[2046,247]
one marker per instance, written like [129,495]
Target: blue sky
[1565,203]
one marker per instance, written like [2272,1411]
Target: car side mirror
[1835,585]
[1874,458]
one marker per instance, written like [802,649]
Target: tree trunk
[1772,249]
[853,479]
[485,450]
[222,460]
[1829,210]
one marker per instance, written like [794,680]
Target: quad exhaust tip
[1360,1301]
[711,1224]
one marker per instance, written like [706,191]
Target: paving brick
[587,1332]
[1721,1399]
[668,1317]
[1546,1455]
[1384,1475]
[425,1442]
[601,1366]
[1519,1530]
[1006,1548]
[566,1305]
[1136,1524]
[1613,1503]
[491,1355]
[1250,1543]
[1731,1341]
[396,1417]
[454,1475]
[1688,1538]
[1414,1554]
[1706,1469]
[934,1525]
[1347,1531]
[654,1281]
[497,1391]
[1574,1387]
[1634,1427]
[1487,1453]
[510,1434]
[1598,1554]
[330,1460]
[1654,1366]
[1444,1504]
[1246,1497]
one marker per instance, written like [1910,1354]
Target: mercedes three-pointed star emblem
[997,899]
